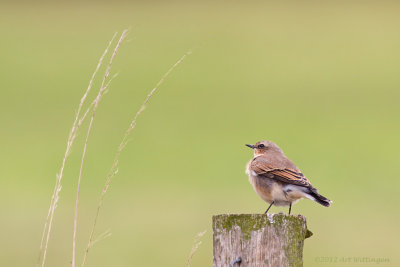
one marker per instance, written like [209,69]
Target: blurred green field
[320,79]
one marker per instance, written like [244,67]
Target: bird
[277,180]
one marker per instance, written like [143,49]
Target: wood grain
[259,239]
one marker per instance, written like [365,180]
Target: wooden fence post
[257,240]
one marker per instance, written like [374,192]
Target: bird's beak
[251,146]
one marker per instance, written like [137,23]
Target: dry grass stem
[114,168]
[57,188]
[195,247]
[101,92]
[102,237]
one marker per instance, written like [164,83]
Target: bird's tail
[315,196]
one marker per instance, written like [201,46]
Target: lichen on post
[259,239]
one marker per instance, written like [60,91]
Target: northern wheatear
[277,180]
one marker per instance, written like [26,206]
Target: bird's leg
[290,207]
[269,207]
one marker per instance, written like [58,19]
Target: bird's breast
[273,191]
[264,187]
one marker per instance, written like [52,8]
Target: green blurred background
[321,79]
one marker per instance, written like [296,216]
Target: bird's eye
[261,146]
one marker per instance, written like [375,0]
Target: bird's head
[264,148]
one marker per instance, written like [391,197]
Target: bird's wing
[286,175]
